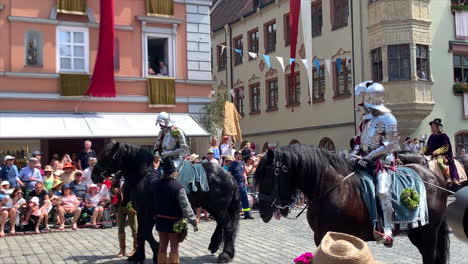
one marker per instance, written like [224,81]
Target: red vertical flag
[103,82]
[294,13]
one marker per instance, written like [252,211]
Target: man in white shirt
[210,157]
[225,147]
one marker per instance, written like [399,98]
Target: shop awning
[89,125]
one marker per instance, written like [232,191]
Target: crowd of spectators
[62,193]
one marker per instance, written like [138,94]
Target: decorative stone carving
[253,78]
[271,72]
[422,37]
[261,65]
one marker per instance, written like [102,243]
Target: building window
[287,30]
[327,144]
[293,94]
[159,55]
[272,94]
[342,78]
[399,65]
[239,100]
[73,49]
[376,61]
[340,13]
[253,41]
[317,18]
[460,68]
[255,98]
[117,54]
[422,62]
[238,45]
[318,90]
[222,56]
[33,48]
[270,37]
[461,142]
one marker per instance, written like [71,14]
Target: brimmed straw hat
[229,158]
[92,186]
[48,168]
[57,182]
[193,157]
[339,248]
[69,165]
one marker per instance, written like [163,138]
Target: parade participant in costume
[439,147]
[379,140]
[171,141]
[125,212]
[366,116]
[171,205]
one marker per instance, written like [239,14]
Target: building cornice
[119,98]
[347,124]
[160,19]
[36,20]
[117,78]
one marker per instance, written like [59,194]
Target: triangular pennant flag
[222,49]
[328,65]
[253,55]
[281,61]
[317,65]
[238,51]
[348,63]
[306,63]
[291,60]
[338,65]
[267,61]
[232,93]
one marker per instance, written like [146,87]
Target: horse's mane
[307,163]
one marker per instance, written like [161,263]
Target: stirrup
[382,238]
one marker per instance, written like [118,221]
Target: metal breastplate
[169,142]
[370,138]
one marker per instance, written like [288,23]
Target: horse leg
[228,234]
[429,237]
[139,254]
[148,233]
[443,243]
[217,236]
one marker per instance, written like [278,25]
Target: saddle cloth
[192,177]
[404,217]
[433,166]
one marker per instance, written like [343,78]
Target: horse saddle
[402,179]
[193,177]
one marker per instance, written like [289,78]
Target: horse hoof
[224,258]
[213,249]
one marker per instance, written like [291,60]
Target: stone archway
[327,144]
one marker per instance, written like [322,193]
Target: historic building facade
[416,48]
[162,62]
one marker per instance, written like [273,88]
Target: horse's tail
[443,243]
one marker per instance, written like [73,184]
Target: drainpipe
[231,63]
[354,64]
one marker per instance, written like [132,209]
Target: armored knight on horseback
[170,142]
[377,142]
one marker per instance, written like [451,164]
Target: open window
[159,56]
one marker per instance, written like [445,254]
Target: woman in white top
[11,210]
[89,171]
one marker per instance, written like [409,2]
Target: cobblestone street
[276,242]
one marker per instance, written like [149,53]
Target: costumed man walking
[379,140]
[171,141]
[171,206]
[439,147]
[125,211]
[237,170]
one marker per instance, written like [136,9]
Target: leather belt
[168,217]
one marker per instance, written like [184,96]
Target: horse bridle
[274,197]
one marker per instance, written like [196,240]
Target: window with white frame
[72,49]
[159,54]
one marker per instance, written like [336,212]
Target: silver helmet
[163,119]
[373,95]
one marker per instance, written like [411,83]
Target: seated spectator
[69,206]
[69,174]
[9,172]
[48,178]
[92,161]
[56,187]
[13,210]
[93,204]
[78,186]
[57,167]
[5,189]
[3,213]
[41,208]
[30,175]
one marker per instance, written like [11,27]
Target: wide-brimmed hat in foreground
[339,248]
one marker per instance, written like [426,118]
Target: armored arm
[387,128]
[157,144]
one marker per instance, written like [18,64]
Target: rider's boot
[162,258]
[387,210]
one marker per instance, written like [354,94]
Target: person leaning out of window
[171,205]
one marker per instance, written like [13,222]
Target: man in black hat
[439,147]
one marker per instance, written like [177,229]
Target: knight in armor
[440,148]
[377,142]
[171,141]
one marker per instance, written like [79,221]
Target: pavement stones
[277,242]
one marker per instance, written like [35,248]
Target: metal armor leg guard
[384,183]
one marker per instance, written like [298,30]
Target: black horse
[222,201]
[338,206]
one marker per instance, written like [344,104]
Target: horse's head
[276,190]
[109,162]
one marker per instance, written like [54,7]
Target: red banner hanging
[294,13]
[103,82]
